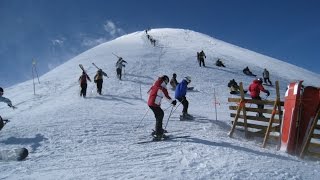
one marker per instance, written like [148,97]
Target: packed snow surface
[70,137]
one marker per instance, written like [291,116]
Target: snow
[69,137]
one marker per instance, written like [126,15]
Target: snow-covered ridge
[94,138]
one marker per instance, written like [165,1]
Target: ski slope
[69,137]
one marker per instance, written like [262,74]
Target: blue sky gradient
[54,31]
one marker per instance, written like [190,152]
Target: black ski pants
[267,80]
[119,73]
[99,86]
[184,103]
[201,61]
[83,91]
[158,114]
[260,106]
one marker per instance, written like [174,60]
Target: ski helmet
[1,90]
[188,79]
[165,78]
[174,75]
[260,80]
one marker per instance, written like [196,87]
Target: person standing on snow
[156,93]
[254,89]
[173,81]
[180,95]
[202,56]
[98,79]
[266,77]
[119,65]
[83,83]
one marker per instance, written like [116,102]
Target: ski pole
[171,112]
[142,118]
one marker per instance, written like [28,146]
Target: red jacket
[157,92]
[255,88]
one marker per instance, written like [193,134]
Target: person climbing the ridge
[9,103]
[119,65]
[156,93]
[247,71]
[98,79]
[83,83]
[219,63]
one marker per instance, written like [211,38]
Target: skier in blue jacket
[180,95]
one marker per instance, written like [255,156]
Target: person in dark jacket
[180,95]
[9,103]
[98,79]
[83,83]
[266,77]
[173,81]
[119,65]
[156,93]
[202,56]
[219,63]
[254,89]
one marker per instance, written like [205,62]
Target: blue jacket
[181,89]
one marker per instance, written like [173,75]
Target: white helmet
[188,79]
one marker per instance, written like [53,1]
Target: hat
[1,90]
[165,78]
[188,79]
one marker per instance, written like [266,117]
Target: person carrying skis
[202,56]
[156,93]
[83,83]
[180,95]
[254,88]
[266,76]
[119,65]
[173,81]
[98,79]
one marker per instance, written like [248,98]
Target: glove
[268,93]
[174,102]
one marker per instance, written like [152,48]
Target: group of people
[98,78]
[158,91]
[150,38]
[254,88]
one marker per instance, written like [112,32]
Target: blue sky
[53,31]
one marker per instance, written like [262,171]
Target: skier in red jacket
[156,93]
[254,89]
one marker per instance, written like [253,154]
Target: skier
[9,103]
[119,65]
[202,56]
[219,63]
[173,81]
[83,83]
[180,95]
[98,79]
[156,93]
[255,88]
[266,77]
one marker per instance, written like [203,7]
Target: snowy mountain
[96,138]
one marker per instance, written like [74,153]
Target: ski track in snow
[69,137]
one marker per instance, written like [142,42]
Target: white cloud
[111,28]
[90,42]
[57,42]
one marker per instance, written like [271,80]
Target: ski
[95,65]
[164,139]
[81,66]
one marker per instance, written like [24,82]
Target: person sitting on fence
[254,89]
[234,87]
